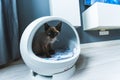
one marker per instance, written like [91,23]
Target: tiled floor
[102,63]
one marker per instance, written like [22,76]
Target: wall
[28,10]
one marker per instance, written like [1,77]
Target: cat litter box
[67,47]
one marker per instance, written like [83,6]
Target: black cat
[43,40]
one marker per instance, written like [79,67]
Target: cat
[42,42]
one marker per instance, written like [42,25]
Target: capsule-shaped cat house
[67,47]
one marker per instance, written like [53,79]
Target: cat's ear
[46,26]
[59,25]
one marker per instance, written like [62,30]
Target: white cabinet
[67,9]
[101,16]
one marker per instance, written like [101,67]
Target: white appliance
[55,69]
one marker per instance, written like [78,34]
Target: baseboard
[100,44]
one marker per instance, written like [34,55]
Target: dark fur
[43,41]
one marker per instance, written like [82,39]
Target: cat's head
[53,31]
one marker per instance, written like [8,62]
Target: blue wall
[29,10]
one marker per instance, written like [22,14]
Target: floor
[93,64]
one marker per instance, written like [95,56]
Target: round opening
[54,40]
[66,45]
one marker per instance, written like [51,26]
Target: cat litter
[62,54]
